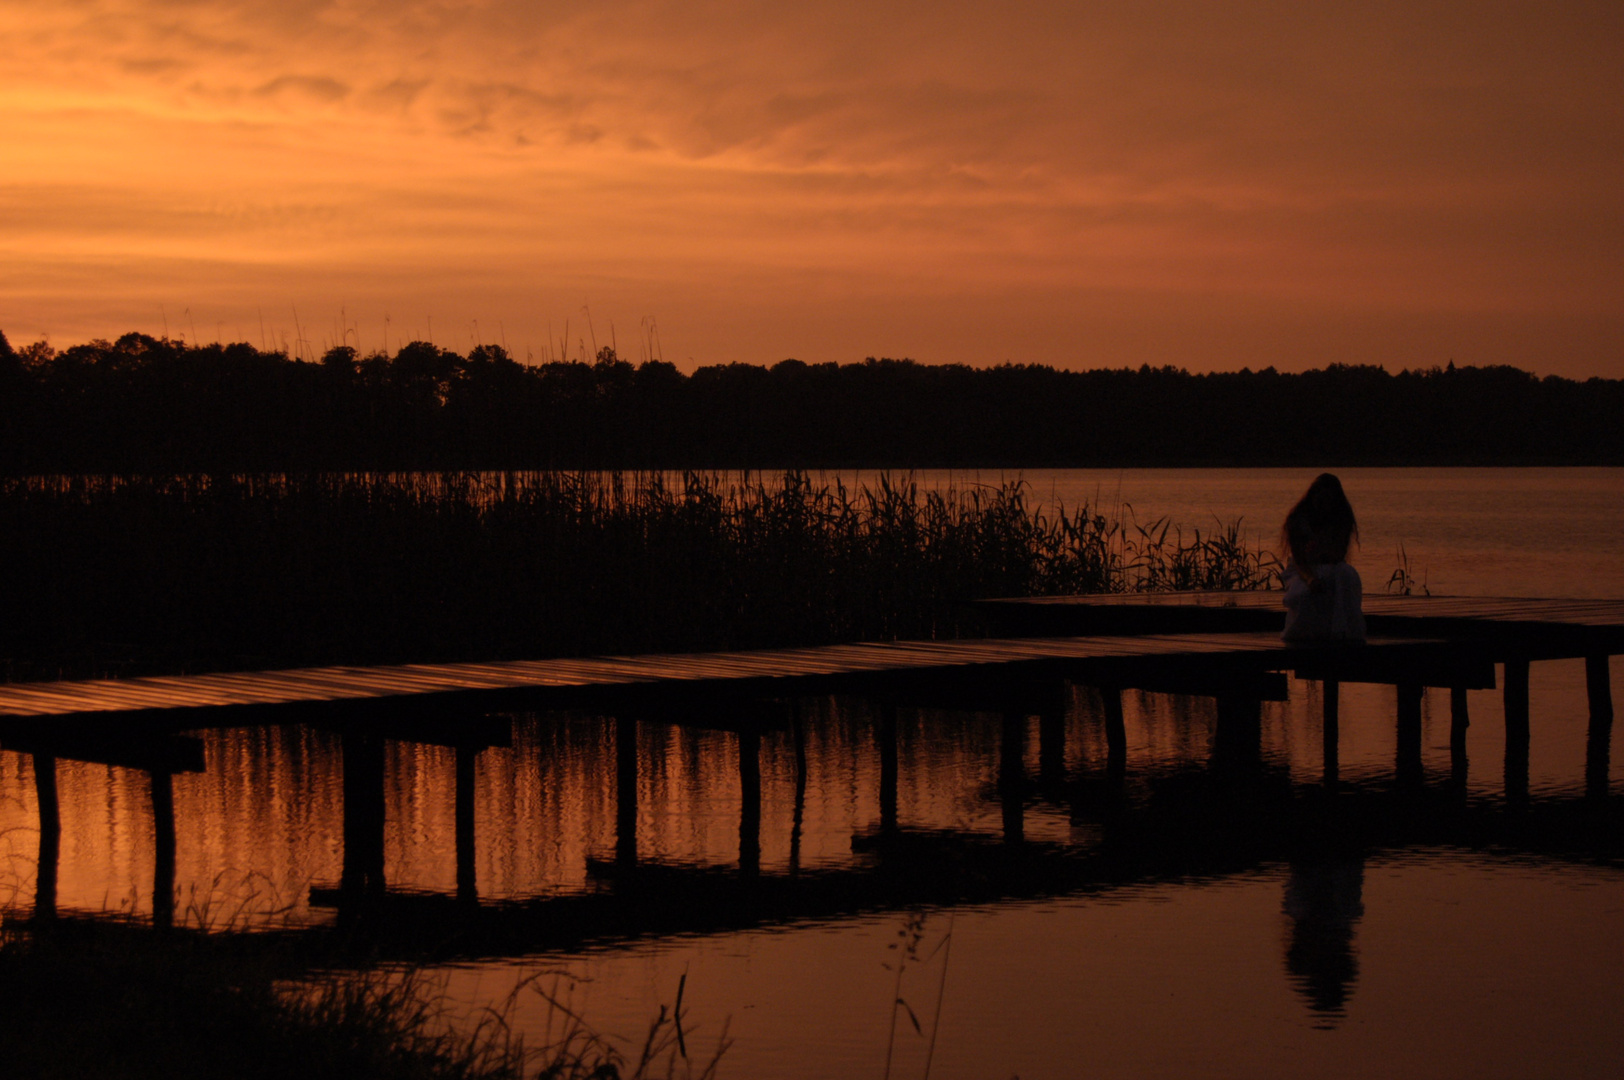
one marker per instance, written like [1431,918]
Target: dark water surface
[1205,916]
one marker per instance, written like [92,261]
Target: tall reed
[126,574]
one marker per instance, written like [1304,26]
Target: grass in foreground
[141,1005]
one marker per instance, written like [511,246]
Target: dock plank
[784,670]
[1540,621]
[1409,630]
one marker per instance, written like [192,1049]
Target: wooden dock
[1220,645]
[1536,626]
[192,701]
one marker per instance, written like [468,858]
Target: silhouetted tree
[151,404]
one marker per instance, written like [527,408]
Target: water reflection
[568,828]
[1324,902]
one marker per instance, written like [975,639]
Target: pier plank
[1417,640]
[1542,628]
[197,698]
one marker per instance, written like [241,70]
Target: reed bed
[110,575]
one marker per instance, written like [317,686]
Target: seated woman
[1323,594]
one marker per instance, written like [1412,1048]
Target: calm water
[1196,919]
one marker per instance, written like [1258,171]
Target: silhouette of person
[1324,901]
[1323,593]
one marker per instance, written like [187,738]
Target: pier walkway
[1220,645]
[231,699]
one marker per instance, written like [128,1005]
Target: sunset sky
[1080,184]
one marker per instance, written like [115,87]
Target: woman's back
[1324,599]
[1328,607]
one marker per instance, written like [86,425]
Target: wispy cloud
[1379,181]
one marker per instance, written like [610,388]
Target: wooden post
[625,792]
[363,816]
[1408,764]
[1330,736]
[1052,746]
[1516,698]
[50,837]
[886,735]
[1012,775]
[1237,745]
[1459,720]
[467,883]
[1598,747]
[163,849]
[1599,687]
[749,801]
[797,731]
[1116,731]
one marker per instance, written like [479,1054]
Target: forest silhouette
[154,405]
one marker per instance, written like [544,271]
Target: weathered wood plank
[1548,628]
[1165,657]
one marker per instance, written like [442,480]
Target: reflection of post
[1459,720]
[1052,746]
[363,815]
[625,792]
[886,735]
[1012,775]
[750,800]
[1408,765]
[163,861]
[1116,732]
[50,836]
[467,885]
[1516,697]
[797,729]
[1330,737]
[1598,747]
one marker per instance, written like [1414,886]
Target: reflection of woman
[1324,902]
[1323,594]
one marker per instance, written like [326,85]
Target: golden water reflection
[264,822]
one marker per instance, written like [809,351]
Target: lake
[1184,921]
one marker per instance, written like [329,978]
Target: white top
[1329,608]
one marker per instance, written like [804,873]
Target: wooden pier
[1220,645]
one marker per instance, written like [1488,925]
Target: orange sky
[1207,185]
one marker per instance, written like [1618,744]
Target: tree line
[153,405]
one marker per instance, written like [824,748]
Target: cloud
[1447,158]
[313,87]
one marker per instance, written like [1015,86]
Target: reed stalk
[127,574]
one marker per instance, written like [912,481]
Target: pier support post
[163,849]
[1516,698]
[749,801]
[625,792]
[1459,720]
[1237,744]
[1598,747]
[50,837]
[1407,767]
[886,735]
[467,883]
[797,734]
[1012,776]
[1052,747]
[363,816]
[1330,735]
[1116,731]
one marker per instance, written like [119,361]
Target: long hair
[1320,527]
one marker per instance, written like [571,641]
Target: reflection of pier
[1221,655]
[1187,824]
